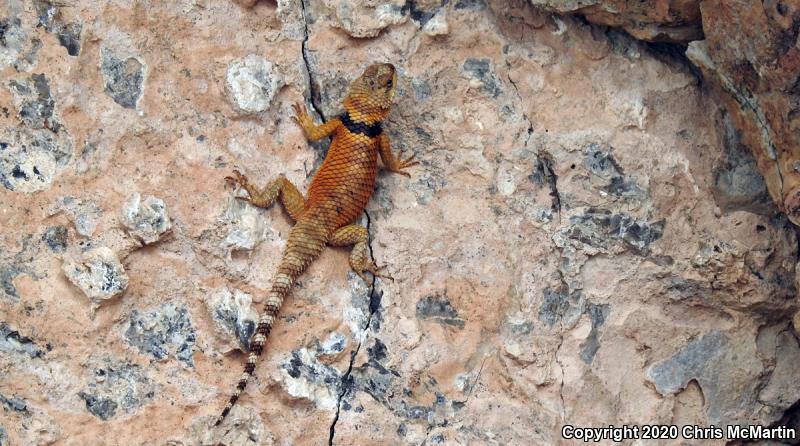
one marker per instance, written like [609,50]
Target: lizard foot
[375,271]
[302,118]
[402,164]
[239,181]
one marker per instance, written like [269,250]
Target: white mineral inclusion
[97,272]
[252,82]
[147,219]
[506,184]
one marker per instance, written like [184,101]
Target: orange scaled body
[337,195]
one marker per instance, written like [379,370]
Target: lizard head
[373,91]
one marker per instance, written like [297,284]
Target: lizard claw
[408,162]
[373,269]
[299,109]
[405,163]
[301,117]
[376,271]
[239,181]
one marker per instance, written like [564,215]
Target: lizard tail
[300,251]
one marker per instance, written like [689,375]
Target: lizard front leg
[360,260]
[391,163]
[291,198]
[313,131]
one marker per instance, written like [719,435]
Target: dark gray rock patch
[162,332]
[7,275]
[691,362]
[37,106]
[473,5]
[560,304]
[56,238]
[234,314]
[600,162]
[481,69]
[124,78]
[738,185]
[602,229]
[422,13]
[68,33]
[438,308]
[114,386]
[14,403]
[597,314]
[103,408]
[12,342]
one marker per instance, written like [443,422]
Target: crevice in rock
[524,115]
[561,385]
[552,181]
[789,420]
[312,86]
[555,355]
[672,54]
[747,101]
[477,379]
[373,308]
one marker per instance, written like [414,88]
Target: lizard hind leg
[360,260]
[291,198]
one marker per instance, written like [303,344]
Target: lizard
[337,195]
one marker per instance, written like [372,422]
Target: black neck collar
[370,130]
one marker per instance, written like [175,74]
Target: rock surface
[750,53]
[147,219]
[586,241]
[652,20]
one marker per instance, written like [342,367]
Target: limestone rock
[34,144]
[147,219]
[163,332]
[115,387]
[124,78]
[97,272]
[653,20]
[252,82]
[586,240]
[366,19]
[753,56]
[234,315]
[84,214]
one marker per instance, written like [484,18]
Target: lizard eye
[389,83]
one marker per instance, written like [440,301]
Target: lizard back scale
[338,195]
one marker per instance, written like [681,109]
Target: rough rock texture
[752,52]
[97,271]
[147,219]
[653,20]
[748,51]
[586,241]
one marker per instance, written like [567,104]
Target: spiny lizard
[338,195]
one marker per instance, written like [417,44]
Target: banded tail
[301,249]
